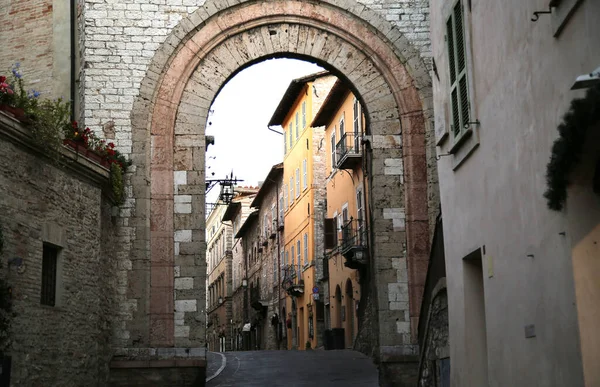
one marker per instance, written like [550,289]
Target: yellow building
[304,202]
[345,224]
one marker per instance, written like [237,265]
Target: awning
[246,327]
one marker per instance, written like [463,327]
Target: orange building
[345,224]
[304,208]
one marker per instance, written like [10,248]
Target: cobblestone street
[292,368]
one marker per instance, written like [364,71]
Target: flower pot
[15,112]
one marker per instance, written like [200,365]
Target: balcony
[255,301]
[348,151]
[353,243]
[292,282]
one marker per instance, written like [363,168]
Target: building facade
[303,201]
[346,236]
[517,240]
[235,215]
[265,297]
[219,237]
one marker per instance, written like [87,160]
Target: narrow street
[291,368]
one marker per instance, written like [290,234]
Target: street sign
[315,290]
[316,296]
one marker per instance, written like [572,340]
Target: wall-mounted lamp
[220,300]
[244,283]
[587,80]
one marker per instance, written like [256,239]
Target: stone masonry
[63,205]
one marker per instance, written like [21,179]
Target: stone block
[185,305]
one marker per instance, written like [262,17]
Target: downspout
[278,267]
[73,56]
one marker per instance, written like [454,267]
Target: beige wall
[520,76]
[583,212]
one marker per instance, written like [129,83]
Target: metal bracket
[536,15]
[437,157]
[467,124]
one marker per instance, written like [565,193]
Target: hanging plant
[566,150]
[116,180]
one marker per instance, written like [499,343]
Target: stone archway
[196,59]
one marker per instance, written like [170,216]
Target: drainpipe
[73,56]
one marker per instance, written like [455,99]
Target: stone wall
[62,204]
[437,345]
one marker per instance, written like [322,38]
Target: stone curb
[209,378]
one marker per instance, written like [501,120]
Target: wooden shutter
[330,233]
[459,96]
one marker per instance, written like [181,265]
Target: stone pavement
[296,368]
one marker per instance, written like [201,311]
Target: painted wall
[520,77]
[583,213]
[341,191]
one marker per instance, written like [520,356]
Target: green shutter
[459,96]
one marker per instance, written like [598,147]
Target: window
[290,132]
[287,257]
[333,158]
[345,214]
[297,182]
[306,248]
[459,98]
[284,143]
[49,274]
[357,125]
[342,127]
[303,114]
[265,225]
[283,258]
[299,252]
[280,220]
[292,254]
[291,190]
[297,129]
[273,217]
[360,216]
[285,196]
[275,269]
[304,175]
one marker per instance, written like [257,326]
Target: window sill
[460,140]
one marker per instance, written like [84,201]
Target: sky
[239,118]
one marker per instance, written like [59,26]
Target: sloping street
[292,368]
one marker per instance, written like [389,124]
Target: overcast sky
[239,118]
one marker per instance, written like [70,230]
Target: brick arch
[199,56]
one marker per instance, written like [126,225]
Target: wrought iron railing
[349,145]
[353,234]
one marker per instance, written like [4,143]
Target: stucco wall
[520,79]
[67,344]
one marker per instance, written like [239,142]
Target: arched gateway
[197,58]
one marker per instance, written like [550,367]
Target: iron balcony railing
[348,150]
[354,235]
[291,277]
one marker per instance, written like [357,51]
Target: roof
[331,104]
[249,220]
[290,96]
[231,210]
[275,172]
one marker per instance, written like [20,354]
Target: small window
[292,254]
[459,95]
[297,125]
[291,134]
[291,190]
[304,174]
[275,269]
[285,196]
[357,118]
[303,114]
[299,252]
[306,248]
[297,182]
[284,143]
[333,158]
[49,274]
